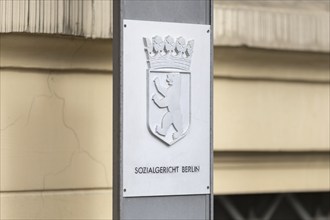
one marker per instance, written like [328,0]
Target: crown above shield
[167,53]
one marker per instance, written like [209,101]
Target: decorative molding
[19,51]
[27,51]
[86,18]
[269,172]
[288,25]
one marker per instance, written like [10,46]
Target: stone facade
[271,107]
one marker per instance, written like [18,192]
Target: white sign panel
[166,109]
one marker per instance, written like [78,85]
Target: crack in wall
[29,112]
[11,124]
[78,148]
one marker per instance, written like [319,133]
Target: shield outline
[168,70]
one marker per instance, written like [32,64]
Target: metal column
[161,207]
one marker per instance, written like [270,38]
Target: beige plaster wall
[242,172]
[91,204]
[271,116]
[55,130]
[56,126]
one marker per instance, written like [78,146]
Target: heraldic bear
[171,101]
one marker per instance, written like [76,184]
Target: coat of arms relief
[168,80]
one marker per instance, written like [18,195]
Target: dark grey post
[161,207]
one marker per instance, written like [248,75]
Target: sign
[166,109]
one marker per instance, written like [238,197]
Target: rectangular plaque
[166,109]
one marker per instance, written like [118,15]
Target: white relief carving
[169,54]
[171,101]
[169,87]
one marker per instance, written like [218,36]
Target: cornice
[285,25]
